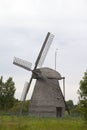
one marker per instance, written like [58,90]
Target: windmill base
[44,111]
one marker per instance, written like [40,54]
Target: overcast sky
[23,27]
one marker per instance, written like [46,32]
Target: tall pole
[56,58]
[64,87]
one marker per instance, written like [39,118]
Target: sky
[23,27]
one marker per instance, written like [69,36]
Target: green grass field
[31,123]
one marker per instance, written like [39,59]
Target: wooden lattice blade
[43,52]
[22,63]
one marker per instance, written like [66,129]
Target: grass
[31,123]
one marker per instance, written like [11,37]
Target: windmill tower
[47,99]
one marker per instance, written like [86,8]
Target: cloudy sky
[23,27]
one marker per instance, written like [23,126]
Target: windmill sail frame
[22,63]
[45,47]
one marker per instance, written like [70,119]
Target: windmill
[45,96]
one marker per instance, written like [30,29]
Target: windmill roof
[50,73]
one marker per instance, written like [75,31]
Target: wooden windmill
[47,99]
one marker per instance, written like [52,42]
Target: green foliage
[16,108]
[83,87]
[83,95]
[74,109]
[76,112]
[83,108]
[7,90]
[26,107]
[70,104]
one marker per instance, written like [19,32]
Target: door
[58,111]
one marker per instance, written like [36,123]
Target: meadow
[33,123]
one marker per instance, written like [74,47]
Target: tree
[83,95]
[70,104]
[7,91]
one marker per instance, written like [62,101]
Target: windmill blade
[44,50]
[24,92]
[22,63]
[23,99]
